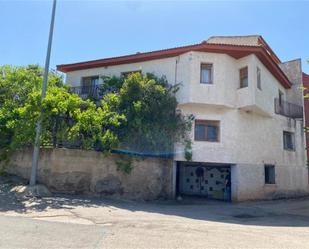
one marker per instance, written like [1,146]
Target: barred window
[89,83]
[288,140]
[270,176]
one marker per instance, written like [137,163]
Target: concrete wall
[78,171]
[248,182]
[293,71]
[246,138]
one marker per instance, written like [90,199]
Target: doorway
[204,180]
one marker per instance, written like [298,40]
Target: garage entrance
[204,179]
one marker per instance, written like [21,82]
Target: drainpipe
[176,69]
[305,83]
[174,163]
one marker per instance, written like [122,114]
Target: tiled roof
[235,50]
[249,40]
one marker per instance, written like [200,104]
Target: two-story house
[248,108]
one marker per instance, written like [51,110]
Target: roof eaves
[169,52]
[165,53]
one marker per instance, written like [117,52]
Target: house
[248,110]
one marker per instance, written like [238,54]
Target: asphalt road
[19,232]
[80,222]
[70,222]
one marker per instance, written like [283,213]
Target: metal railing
[288,109]
[88,92]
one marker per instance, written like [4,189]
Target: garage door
[202,180]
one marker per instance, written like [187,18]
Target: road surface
[71,222]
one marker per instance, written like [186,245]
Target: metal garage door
[202,180]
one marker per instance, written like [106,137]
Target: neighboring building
[248,110]
[306,108]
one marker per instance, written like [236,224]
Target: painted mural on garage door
[201,180]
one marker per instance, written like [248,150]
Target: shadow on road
[11,202]
[289,213]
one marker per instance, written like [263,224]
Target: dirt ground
[81,222]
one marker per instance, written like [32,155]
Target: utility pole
[36,150]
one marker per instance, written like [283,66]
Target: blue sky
[86,30]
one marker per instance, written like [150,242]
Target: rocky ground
[63,221]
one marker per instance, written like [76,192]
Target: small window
[89,83]
[126,74]
[206,130]
[206,73]
[243,77]
[270,176]
[280,98]
[288,140]
[258,78]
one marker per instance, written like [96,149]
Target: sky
[88,30]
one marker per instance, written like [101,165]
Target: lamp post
[36,150]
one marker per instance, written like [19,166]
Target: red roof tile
[236,51]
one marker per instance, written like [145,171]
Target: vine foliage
[137,115]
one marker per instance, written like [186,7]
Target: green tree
[149,104]
[138,114]
[67,119]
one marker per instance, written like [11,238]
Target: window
[206,130]
[288,140]
[280,98]
[270,176]
[258,78]
[243,77]
[89,83]
[206,74]
[126,74]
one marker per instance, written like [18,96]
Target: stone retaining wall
[90,172]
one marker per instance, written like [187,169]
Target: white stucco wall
[251,134]
[248,182]
[246,137]
[159,67]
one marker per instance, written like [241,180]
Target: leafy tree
[67,119]
[137,114]
[149,104]
[15,85]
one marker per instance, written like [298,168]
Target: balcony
[287,109]
[93,92]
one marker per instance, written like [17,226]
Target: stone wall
[90,172]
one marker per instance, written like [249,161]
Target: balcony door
[89,85]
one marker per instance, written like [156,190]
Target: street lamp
[36,150]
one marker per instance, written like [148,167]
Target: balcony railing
[288,109]
[88,92]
